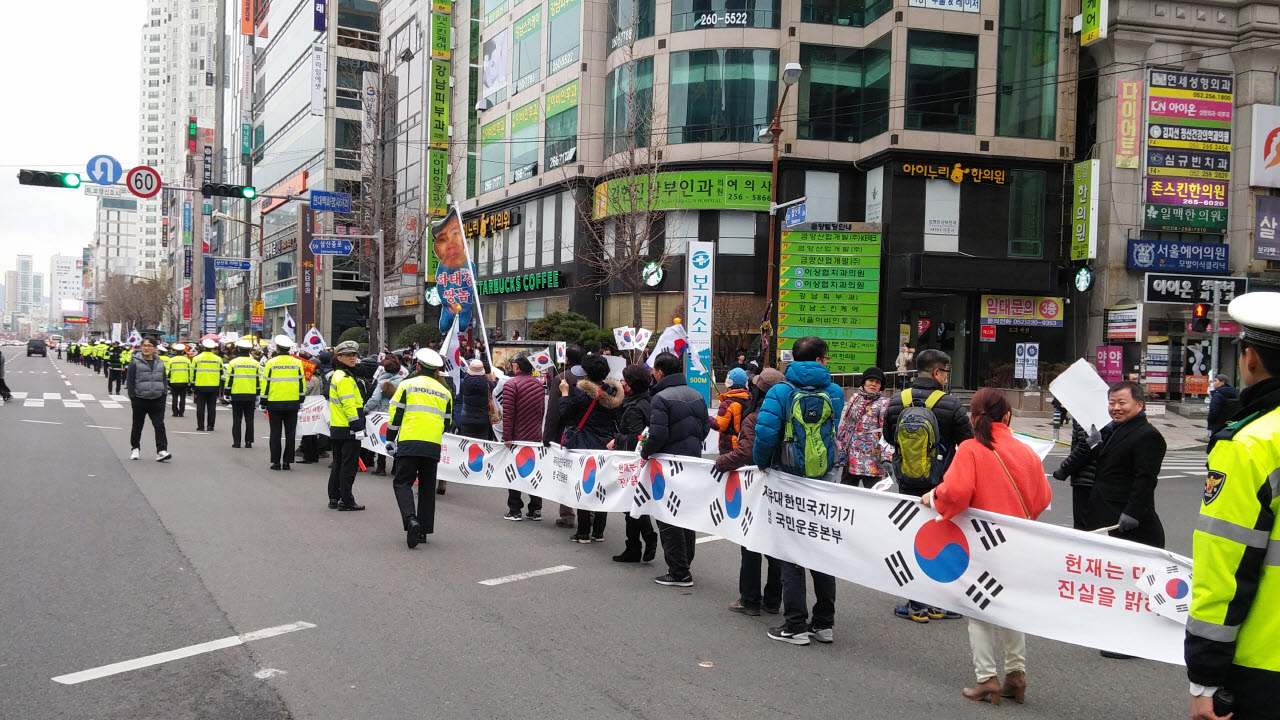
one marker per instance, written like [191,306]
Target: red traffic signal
[1200,317]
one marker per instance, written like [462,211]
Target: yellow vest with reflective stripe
[179,370]
[1236,549]
[425,403]
[282,379]
[243,374]
[207,368]
[344,400]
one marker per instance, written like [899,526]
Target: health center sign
[1021,311]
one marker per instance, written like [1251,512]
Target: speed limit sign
[143,181]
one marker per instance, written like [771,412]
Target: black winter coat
[678,419]
[476,391]
[1080,464]
[1223,403]
[601,424]
[635,418]
[1128,465]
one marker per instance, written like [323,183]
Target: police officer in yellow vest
[178,371]
[207,384]
[1233,631]
[283,385]
[421,410]
[242,376]
[346,419]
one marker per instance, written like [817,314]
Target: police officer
[346,419]
[178,369]
[115,368]
[283,385]
[241,377]
[1232,654]
[207,371]
[421,410]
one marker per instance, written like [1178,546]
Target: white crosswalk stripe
[73,399]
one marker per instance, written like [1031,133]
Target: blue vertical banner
[699,296]
[321,19]
[210,307]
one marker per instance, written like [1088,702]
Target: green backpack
[917,452]
[808,444]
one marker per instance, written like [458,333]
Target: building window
[844,92]
[681,228]
[723,95]
[493,155]
[942,81]
[737,233]
[851,13]
[568,226]
[527,52]
[524,142]
[564,33]
[562,126]
[548,231]
[629,20]
[530,235]
[628,110]
[822,196]
[493,10]
[1026,105]
[1026,213]
[708,14]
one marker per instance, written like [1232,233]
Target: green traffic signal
[231,191]
[249,193]
[45,178]
[71,180]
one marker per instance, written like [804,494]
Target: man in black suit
[1129,452]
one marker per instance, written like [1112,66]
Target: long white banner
[1046,580]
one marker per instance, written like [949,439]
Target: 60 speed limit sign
[143,181]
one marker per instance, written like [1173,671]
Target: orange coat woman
[996,472]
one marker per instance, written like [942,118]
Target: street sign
[104,170]
[104,190]
[1166,289]
[143,181]
[226,263]
[330,246]
[796,214]
[330,201]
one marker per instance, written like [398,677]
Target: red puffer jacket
[523,404]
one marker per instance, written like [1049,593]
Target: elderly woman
[996,472]
[858,438]
[589,411]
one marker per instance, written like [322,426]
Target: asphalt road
[106,560]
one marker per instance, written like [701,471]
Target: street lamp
[790,76]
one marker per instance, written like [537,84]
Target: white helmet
[244,344]
[282,341]
[429,358]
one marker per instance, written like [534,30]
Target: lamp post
[790,76]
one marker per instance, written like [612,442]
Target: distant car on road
[36,345]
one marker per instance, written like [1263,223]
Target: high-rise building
[117,247]
[30,287]
[66,286]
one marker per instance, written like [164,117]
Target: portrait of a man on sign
[454,274]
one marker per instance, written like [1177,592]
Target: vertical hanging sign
[699,293]
[320,17]
[1128,103]
[1093,26]
[307,269]
[1084,211]
[318,73]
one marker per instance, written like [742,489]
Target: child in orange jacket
[733,402]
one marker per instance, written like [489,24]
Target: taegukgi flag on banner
[624,337]
[290,327]
[314,341]
[541,360]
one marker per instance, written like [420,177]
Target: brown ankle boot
[988,689]
[1015,686]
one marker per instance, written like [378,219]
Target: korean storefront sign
[1188,151]
[494,132]
[1021,311]
[1093,21]
[439,36]
[295,185]
[829,285]
[955,172]
[1084,211]
[1124,322]
[486,224]
[439,129]
[1189,289]
[523,118]
[520,283]
[699,296]
[1110,363]
[563,99]
[307,268]
[693,190]
[1128,104]
[1180,257]
[1266,245]
[1264,155]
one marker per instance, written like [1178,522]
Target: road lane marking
[19,396]
[525,575]
[119,398]
[42,422]
[72,404]
[707,539]
[52,396]
[104,427]
[111,405]
[32,403]
[180,653]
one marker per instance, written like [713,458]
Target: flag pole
[475,293]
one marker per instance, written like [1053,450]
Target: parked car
[36,345]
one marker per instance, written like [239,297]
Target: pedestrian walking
[589,410]
[346,421]
[750,600]
[1129,452]
[678,425]
[477,386]
[1223,403]
[996,472]
[902,364]
[1233,661]
[420,413]
[281,391]
[807,406]
[1080,465]
[733,403]
[145,382]
[243,376]
[642,541]
[385,383]
[925,424]
[523,404]
[860,444]
[207,384]
[4,387]
[178,372]
[552,430]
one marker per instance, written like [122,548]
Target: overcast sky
[71,93]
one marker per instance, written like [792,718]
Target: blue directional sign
[330,246]
[223,263]
[796,214]
[104,170]
[330,201]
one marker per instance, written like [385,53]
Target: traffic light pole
[1213,345]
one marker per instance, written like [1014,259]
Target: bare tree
[137,302]
[733,318]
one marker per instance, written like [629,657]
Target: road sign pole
[1213,345]
[382,316]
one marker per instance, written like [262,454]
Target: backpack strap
[908,399]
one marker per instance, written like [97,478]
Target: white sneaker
[133,455]
[163,455]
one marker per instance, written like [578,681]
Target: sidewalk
[1180,433]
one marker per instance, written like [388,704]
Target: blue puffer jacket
[804,374]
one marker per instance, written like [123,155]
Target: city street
[109,560]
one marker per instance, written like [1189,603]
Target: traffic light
[44,178]
[362,309]
[1200,317]
[231,191]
